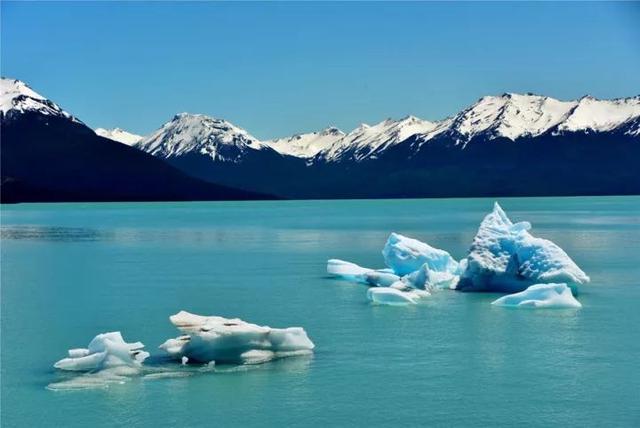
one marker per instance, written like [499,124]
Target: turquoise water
[70,271]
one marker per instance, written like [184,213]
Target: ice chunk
[506,257]
[347,270]
[541,296]
[352,272]
[396,295]
[224,340]
[427,279]
[106,350]
[405,255]
[380,278]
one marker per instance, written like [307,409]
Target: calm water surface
[70,271]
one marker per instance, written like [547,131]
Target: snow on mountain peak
[365,140]
[306,145]
[17,96]
[591,114]
[512,115]
[119,135]
[331,130]
[187,133]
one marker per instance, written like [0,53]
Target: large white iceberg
[405,255]
[541,296]
[224,340]
[505,257]
[106,350]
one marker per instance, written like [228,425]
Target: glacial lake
[71,271]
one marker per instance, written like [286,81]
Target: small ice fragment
[106,350]
[541,296]
[395,295]
[347,270]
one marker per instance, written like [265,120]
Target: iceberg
[405,255]
[395,296]
[505,257]
[541,296]
[105,351]
[224,340]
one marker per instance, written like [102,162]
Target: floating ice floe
[347,270]
[107,360]
[106,350]
[353,272]
[224,340]
[541,296]
[505,257]
[395,295]
[405,255]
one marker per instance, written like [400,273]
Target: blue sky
[281,68]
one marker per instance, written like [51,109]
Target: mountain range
[506,145]
[48,155]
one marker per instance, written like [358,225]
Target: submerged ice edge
[206,342]
[503,257]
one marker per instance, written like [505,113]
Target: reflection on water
[53,233]
[163,369]
[246,237]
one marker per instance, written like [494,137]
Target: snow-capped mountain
[49,155]
[199,134]
[514,116]
[119,135]
[367,140]
[16,97]
[306,145]
[511,116]
[590,114]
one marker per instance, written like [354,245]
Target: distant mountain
[49,155]
[507,145]
[368,141]
[217,151]
[306,145]
[119,135]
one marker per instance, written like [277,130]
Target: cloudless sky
[280,68]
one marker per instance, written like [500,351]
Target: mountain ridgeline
[507,145]
[50,156]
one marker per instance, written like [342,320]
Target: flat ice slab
[541,296]
[226,340]
[395,296]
